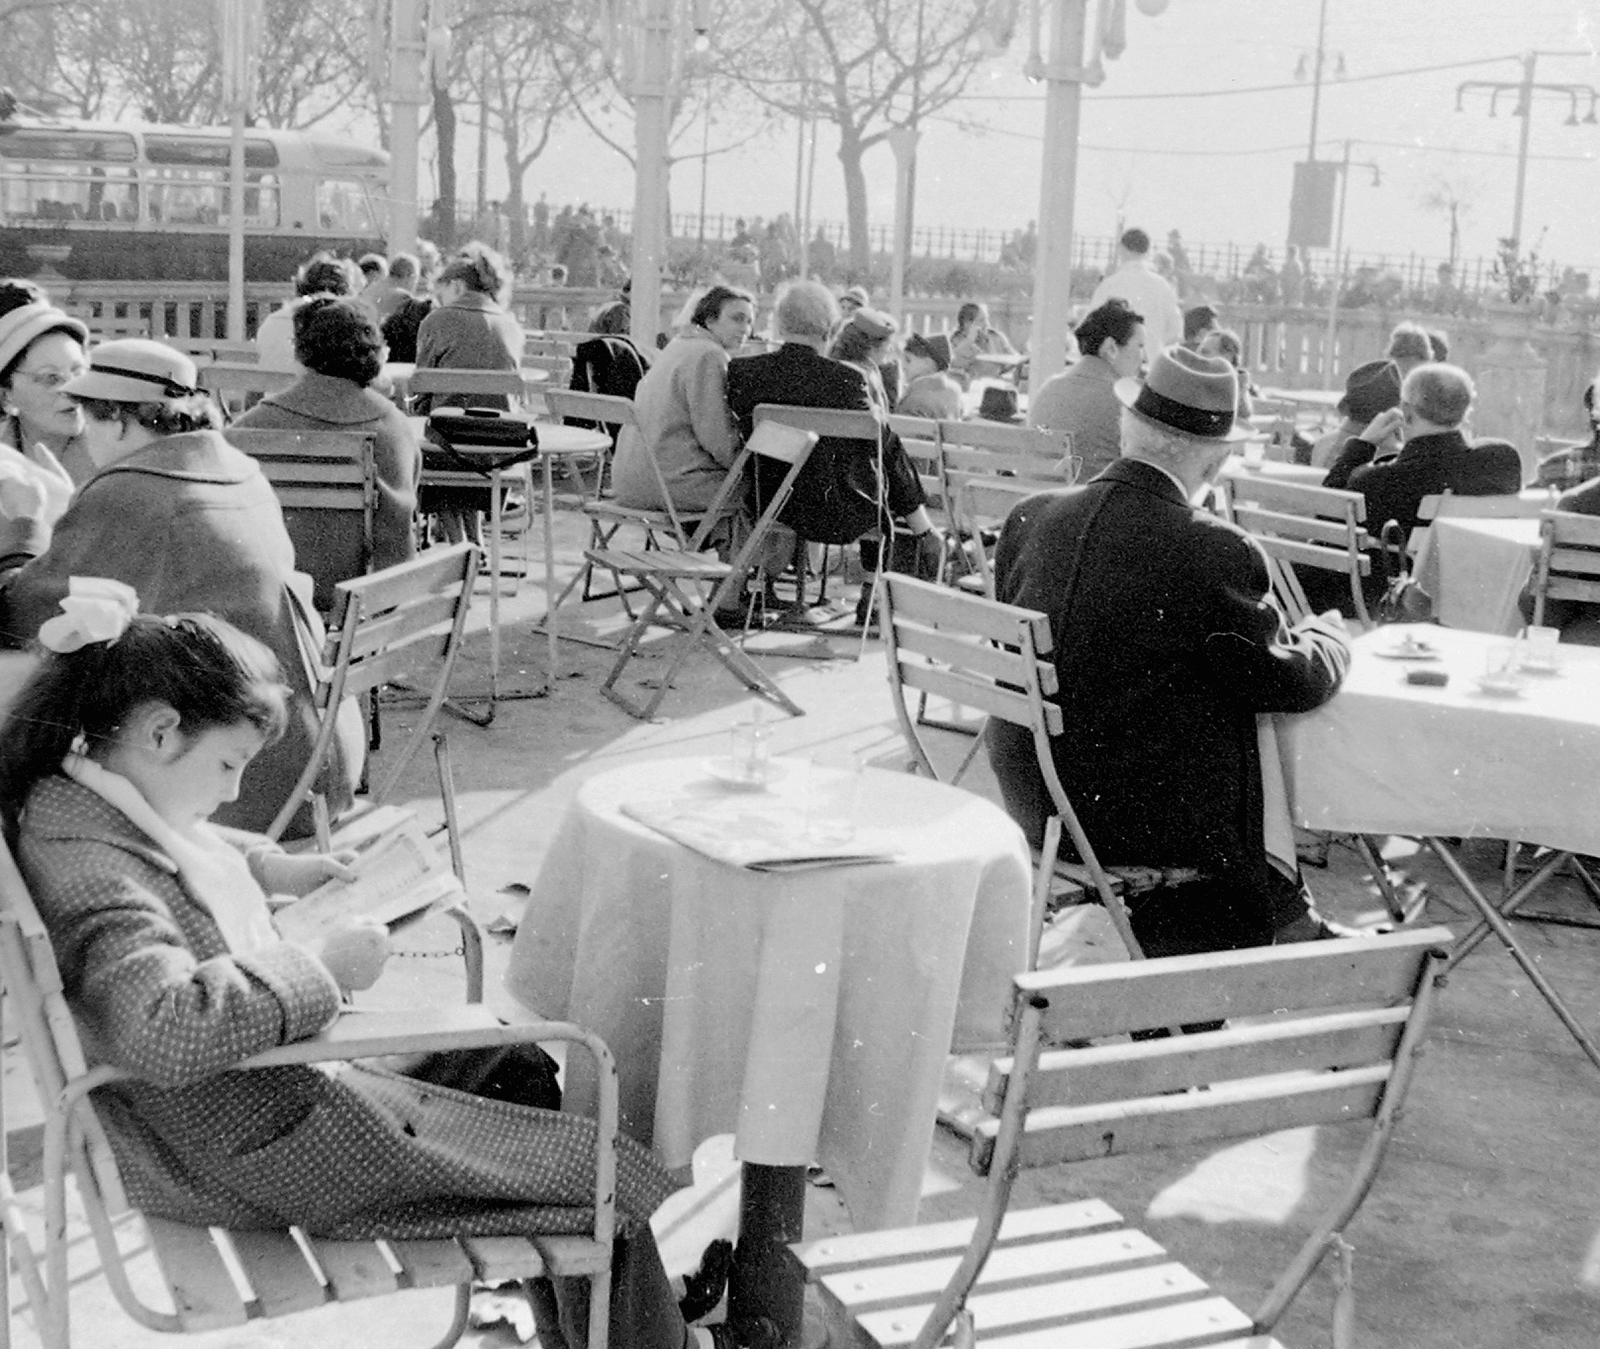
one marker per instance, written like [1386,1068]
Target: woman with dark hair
[338,343]
[609,362]
[320,274]
[191,524]
[682,410]
[471,330]
[865,341]
[41,348]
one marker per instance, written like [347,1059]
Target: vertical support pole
[238,56]
[903,141]
[1330,369]
[1529,62]
[405,100]
[1052,287]
[652,116]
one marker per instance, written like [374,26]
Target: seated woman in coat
[338,343]
[681,404]
[132,732]
[179,514]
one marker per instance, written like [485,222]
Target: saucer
[730,774]
[1500,688]
[1416,651]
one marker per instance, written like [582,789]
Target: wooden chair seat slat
[1060,1301]
[1185,1323]
[570,1257]
[432,1264]
[832,1254]
[203,1292]
[355,1269]
[279,1274]
[496,1258]
[663,562]
[862,1290]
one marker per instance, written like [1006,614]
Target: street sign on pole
[1311,205]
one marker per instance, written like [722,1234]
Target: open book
[398,873]
[759,834]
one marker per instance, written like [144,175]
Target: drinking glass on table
[832,798]
[1539,648]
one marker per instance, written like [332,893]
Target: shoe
[760,1333]
[703,1289]
[1311,926]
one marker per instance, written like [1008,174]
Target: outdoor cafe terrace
[1482,1226]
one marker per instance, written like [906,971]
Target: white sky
[1217,168]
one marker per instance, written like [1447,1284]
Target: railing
[1283,347]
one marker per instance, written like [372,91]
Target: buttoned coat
[317,402]
[472,332]
[192,525]
[1166,648]
[835,498]
[357,1152]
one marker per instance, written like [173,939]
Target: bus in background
[107,201]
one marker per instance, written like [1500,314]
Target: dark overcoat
[1166,648]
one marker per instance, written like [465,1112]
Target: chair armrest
[432,1030]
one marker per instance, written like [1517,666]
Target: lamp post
[1335,272]
[405,103]
[240,24]
[1525,89]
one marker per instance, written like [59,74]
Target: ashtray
[1409,649]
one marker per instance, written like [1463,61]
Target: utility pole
[1058,184]
[405,101]
[1335,271]
[1316,80]
[652,116]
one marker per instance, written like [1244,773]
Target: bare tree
[1451,194]
[868,66]
[313,60]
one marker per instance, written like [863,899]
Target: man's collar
[1131,469]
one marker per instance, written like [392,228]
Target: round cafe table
[809,1013]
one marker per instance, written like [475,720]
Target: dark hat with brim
[998,403]
[1186,392]
[918,345]
[1370,389]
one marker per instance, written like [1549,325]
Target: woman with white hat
[41,348]
[189,522]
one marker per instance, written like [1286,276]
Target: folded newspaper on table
[759,834]
[398,874]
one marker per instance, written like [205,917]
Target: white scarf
[213,870]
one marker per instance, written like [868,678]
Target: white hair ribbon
[95,609]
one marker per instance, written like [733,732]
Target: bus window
[57,174]
[342,207]
[58,192]
[196,196]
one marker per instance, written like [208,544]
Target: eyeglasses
[54,379]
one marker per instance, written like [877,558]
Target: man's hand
[1328,638]
[300,873]
[1384,428]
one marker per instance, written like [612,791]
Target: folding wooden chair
[1301,525]
[236,384]
[994,658]
[404,621]
[978,513]
[1316,1033]
[687,585]
[285,1270]
[327,484]
[1029,453]
[478,388]
[609,413]
[923,439]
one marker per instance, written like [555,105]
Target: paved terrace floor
[1484,1226]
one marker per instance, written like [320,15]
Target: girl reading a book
[133,730]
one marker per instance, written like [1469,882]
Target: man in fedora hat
[1168,646]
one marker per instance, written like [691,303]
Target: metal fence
[1201,259]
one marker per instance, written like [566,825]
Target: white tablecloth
[1388,757]
[809,1014]
[1475,570]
